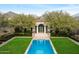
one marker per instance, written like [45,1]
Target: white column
[44,29]
[37,29]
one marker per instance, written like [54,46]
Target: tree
[3,21]
[22,21]
[61,22]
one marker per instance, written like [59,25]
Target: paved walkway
[41,36]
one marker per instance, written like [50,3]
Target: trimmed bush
[25,33]
[60,33]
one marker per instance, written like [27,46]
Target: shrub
[25,33]
[6,37]
[75,37]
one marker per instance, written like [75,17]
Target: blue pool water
[40,47]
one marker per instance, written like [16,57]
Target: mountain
[76,16]
[10,14]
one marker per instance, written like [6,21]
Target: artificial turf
[17,46]
[65,46]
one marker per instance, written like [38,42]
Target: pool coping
[4,43]
[75,42]
[53,47]
[27,49]
[50,44]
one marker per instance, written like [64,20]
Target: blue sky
[39,9]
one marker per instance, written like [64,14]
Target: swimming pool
[40,47]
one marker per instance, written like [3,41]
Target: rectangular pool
[40,47]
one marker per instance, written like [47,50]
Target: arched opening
[41,28]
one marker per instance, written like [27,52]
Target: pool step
[41,36]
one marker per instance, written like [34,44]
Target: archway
[41,28]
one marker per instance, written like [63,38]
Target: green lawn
[17,46]
[65,46]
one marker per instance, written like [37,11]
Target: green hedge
[59,34]
[25,33]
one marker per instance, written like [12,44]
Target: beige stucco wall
[38,23]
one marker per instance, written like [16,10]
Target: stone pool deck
[41,36]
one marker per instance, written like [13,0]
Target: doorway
[41,28]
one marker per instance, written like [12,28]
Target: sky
[39,9]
